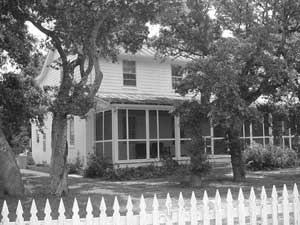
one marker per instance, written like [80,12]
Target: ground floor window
[103,135]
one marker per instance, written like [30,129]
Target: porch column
[270,129]
[177,137]
[212,147]
[114,135]
[251,134]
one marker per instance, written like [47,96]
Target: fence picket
[75,210]
[4,214]
[296,205]
[143,214]
[103,216]
[206,218]
[274,206]
[181,218]
[263,199]
[89,212]
[252,207]
[155,212]
[33,212]
[285,204]
[47,210]
[241,208]
[229,208]
[19,212]
[218,209]
[193,210]
[61,212]
[116,214]
[169,210]
[129,214]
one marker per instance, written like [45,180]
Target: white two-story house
[132,122]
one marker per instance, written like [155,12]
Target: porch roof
[141,99]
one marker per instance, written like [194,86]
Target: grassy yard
[82,188]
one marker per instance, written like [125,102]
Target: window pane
[176,75]
[153,149]
[247,129]
[129,76]
[108,151]
[221,147]
[219,131]
[166,125]
[136,124]
[137,150]
[122,123]
[107,125]
[128,66]
[166,149]
[99,126]
[130,82]
[122,153]
[99,150]
[153,123]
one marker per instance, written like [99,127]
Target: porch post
[251,134]
[177,137]
[270,129]
[114,135]
[212,147]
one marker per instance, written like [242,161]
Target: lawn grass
[82,188]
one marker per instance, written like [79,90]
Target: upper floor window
[129,73]
[176,75]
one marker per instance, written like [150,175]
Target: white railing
[263,210]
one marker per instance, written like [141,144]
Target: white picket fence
[275,210]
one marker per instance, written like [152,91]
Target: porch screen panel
[99,126]
[107,125]
[167,149]
[153,149]
[166,125]
[122,153]
[137,124]
[107,151]
[153,124]
[122,124]
[137,150]
[257,128]
[99,150]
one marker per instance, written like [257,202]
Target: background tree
[87,30]
[231,73]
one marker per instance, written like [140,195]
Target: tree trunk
[10,172]
[59,145]
[237,162]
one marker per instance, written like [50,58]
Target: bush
[75,168]
[30,160]
[98,167]
[258,157]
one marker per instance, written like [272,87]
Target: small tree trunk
[237,162]
[59,170]
[10,172]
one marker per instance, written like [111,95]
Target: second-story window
[129,73]
[176,75]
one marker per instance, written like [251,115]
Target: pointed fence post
[181,214]
[19,212]
[143,215]
[194,219]
[218,209]
[241,207]
[61,212]
[169,210]
[116,214]
[89,212]
[206,218]
[285,204]
[296,205]
[129,214]
[263,199]
[33,212]
[103,216]
[155,212]
[229,208]
[274,206]
[47,210]
[75,210]
[252,207]
[4,214]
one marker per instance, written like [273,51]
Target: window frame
[176,78]
[129,73]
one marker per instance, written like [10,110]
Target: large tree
[232,72]
[87,30]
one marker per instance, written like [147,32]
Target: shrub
[75,168]
[30,160]
[258,157]
[98,167]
